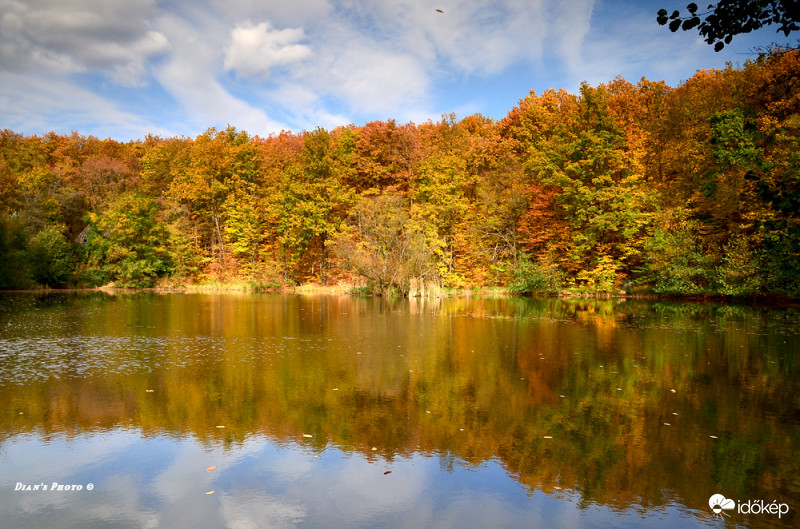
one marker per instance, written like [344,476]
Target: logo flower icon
[719,503]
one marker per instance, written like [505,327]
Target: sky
[123,69]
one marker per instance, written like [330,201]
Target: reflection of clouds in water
[355,491]
[250,510]
[181,488]
[117,499]
[163,483]
[185,475]
[474,509]
[570,515]
[186,471]
[289,465]
[27,459]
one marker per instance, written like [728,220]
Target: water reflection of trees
[568,394]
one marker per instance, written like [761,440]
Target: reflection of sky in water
[162,482]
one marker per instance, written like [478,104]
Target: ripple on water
[38,358]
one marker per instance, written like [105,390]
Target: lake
[267,410]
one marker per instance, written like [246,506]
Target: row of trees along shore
[640,187]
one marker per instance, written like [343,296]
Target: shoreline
[313,289]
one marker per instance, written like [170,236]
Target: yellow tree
[219,162]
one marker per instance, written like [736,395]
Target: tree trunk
[221,244]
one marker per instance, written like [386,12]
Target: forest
[622,187]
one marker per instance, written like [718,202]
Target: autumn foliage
[622,186]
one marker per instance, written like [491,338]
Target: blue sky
[126,68]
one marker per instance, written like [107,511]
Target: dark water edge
[556,412]
[767,300]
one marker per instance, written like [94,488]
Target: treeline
[639,187]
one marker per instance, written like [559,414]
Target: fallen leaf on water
[673,413]
[548,436]
[374,448]
[307,435]
[619,389]
[667,424]
[713,436]
[335,389]
[387,472]
[672,391]
[209,492]
[149,390]
[209,469]
[220,427]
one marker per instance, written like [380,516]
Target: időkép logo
[719,504]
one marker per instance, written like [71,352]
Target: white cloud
[281,14]
[470,36]
[113,37]
[373,80]
[34,105]
[569,26]
[383,59]
[191,77]
[256,49]
[306,109]
[250,510]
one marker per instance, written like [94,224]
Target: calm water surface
[348,412]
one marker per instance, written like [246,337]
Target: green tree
[14,272]
[183,241]
[673,258]
[127,242]
[738,273]
[291,237]
[310,200]
[244,225]
[51,257]
[536,277]
[598,190]
[327,200]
